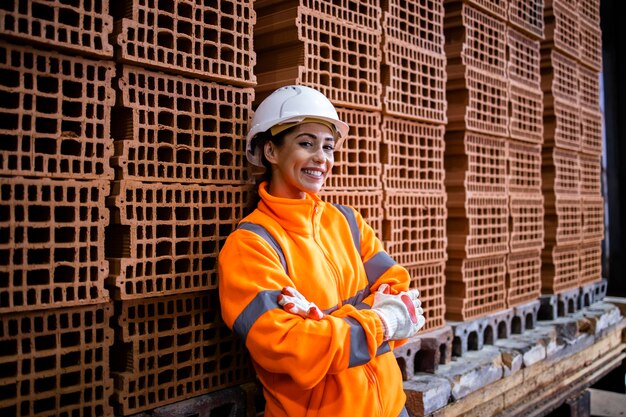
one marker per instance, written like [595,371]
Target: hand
[401,314]
[295,303]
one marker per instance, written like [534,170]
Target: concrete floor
[607,404]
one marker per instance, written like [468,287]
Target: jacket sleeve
[250,279]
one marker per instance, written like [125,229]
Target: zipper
[331,265]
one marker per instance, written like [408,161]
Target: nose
[319,155]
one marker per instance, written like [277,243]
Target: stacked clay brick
[493,155]
[185,77]
[571,62]
[386,78]
[413,125]
[56,98]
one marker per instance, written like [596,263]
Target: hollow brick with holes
[211,41]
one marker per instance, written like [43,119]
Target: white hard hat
[291,104]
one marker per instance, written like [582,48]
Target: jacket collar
[294,215]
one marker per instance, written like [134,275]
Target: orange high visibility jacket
[336,366]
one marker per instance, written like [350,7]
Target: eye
[329,147]
[305,144]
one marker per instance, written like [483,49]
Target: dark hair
[259,142]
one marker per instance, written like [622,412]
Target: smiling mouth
[313,173]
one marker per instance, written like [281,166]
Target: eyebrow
[311,135]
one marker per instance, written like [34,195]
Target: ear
[270,152]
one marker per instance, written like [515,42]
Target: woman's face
[303,162]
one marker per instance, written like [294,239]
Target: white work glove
[401,314]
[295,303]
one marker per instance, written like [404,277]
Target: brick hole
[424,361]
[442,353]
[516,325]
[586,300]
[472,341]
[488,336]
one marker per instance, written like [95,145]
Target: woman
[307,284]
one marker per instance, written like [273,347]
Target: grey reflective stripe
[384,348]
[377,265]
[354,227]
[264,301]
[262,231]
[358,343]
[356,299]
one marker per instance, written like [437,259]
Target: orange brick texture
[570,65]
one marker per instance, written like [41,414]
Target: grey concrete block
[426,394]
[473,371]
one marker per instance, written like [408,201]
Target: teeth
[315,173]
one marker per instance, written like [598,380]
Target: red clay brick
[560,269]
[412,155]
[592,218]
[590,175]
[55,112]
[524,167]
[430,281]
[526,222]
[415,86]
[563,220]
[302,46]
[177,129]
[589,11]
[562,124]
[559,76]
[165,238]
[589,85]
[213,42]
[369,203]
[475,287]
[476,40]
[591,132]
[526,113]
[527,16]
[477,225]
[590,262]
[475,163]
[562,26]
[523,278]
[52,243]
[561,172]
[358,162]
[590,45]
[79,25]
[56,362]
[414,230]
[524,59]
[417,23]
[478,101]
[172,348]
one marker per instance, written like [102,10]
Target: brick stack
[185,92]
[571,61]
[56,101]
[493,155]
[413,125]
[526,201]
[475,158]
